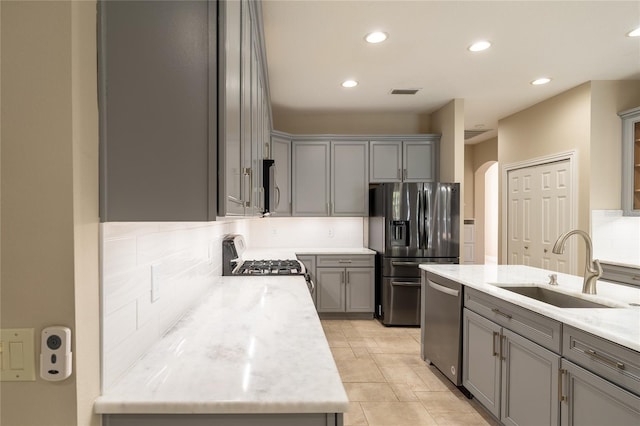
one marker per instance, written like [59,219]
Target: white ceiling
[312,46]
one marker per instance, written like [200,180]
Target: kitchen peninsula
[253,351]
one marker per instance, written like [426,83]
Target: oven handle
[405,284]
[443,289]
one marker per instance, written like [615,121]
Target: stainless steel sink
[561,300]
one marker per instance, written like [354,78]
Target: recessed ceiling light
[350,83]
[480,46]
[376,37]
[634,33]
[539,81]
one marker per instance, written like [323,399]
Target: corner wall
[49,228]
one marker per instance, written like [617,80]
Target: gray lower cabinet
[309,262]
[515,379]
[589,400]
[345,289]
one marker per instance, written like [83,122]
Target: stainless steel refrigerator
[409,224]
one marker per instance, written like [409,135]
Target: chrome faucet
[592,268]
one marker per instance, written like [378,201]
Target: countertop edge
[572,317]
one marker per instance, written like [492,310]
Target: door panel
[330,289]
[539,211]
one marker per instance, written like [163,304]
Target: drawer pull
[498,312]
[619,365]
[344,261]
[636,278]
[493,343]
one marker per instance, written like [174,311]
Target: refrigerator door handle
[405,284]
[420,220]
[396,263]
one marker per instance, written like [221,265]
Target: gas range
[233,247]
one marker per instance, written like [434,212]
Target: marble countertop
[620,325]
[253,345]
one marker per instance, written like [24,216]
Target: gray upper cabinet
[158,126]
[404,160]
[349,182]
[631,162]
[245,118]
[230,149]
[310,178]
[281,154]
[386,161]
[330,178]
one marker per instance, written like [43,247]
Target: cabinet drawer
[537,328]
[614,362]
[350,261]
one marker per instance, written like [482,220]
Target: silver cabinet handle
[617,364]
[348,277]
[405,174]
[561,373]
[502,338]
[636,278]
[342,277]
[443,289]
[278,199]
[399,175]
[493,343]
[344,261]
[497,311]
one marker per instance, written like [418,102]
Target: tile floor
[387,382]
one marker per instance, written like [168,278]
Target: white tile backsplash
[183,258]
[306,232]
[616,238]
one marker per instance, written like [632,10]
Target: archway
[486,213]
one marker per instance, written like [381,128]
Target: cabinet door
[310,179]
[281,154]
[349,178]
[158,124]
[359,290]
[481,364]
[330,289]
[245,107]
[592,401]
[385,161]
[419,161]
[529,382]
[631,162]
[229,140]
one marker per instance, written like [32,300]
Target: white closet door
[538,211]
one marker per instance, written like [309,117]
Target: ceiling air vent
[468,134]
[404,91]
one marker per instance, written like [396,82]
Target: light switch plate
[17,354]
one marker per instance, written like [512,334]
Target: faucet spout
[592,268]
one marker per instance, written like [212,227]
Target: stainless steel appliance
[409,224]
[441,328]
[233,246]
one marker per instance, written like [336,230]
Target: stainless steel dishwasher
[441,325]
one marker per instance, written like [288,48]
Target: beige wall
[469,181]
[49,237]
[607,99]
[558,124]
[475,156]
[348,123]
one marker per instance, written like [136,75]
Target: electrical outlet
[331,233]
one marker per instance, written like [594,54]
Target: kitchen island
[530,362]
[253,352]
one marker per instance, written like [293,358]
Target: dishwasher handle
[443,289]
